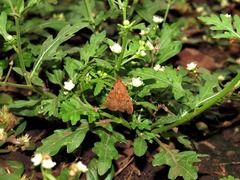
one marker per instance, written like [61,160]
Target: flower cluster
[44,159]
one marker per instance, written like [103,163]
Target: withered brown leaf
[118,98]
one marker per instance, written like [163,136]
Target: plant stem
[204,107]
[19,47]
[89,11]
[28,87]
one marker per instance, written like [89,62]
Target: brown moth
[118,98]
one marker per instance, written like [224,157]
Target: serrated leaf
[148,105]
[90,49]
[56,77]
[168,48]
[181,163]
[140,146]
[169,77]
[64,137]
[73,108]
[222,23]
[99,87]
[49,107]
[149,8]
[105,149]
[103,63]
[49,46]
[73,66]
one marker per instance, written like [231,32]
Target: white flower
[144,33]
[24,139]
[200,9]
[116,48]
[48,163]
[149,46]
[81,167]
[37,159]
[126,22]
[221,78]
[69,85]
[191,66]
[157,67]
[136,82]
[228,15]
[2,134]
[142,53]
[9,37]
[157,19]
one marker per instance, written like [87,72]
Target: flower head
[37,159]
[221,78]
[77,167]
[136,82]
[116,48]
[192,66]
[24,139]
[48,163]
[44,159]
[157,67]
[3,135]
[157,19]
[68,85]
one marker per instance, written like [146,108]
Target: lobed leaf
[105,149]
[73,108]
[181,163]
[64,137]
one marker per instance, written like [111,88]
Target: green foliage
[66,63]
[16,168]
[226,27]
[181,163]
[229,178]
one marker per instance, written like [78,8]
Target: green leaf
[169,78]
[140,146]
[49,107]
[168,48]
[5,99]
[105,149]
[92,173]
[16,168]
[99,86]
[22,103]
[148,105]
[103,63]
[147,9]
[64,137]
[223,25]
[73,108]
[181,163]
[73,66]
[90,49]
[21,127]
[56,77]
[3,22]
[50,45]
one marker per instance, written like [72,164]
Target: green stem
[19,47]
[204,107]
[120,58]
[89,11]
[28,87]
[116,120]
[166,12]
